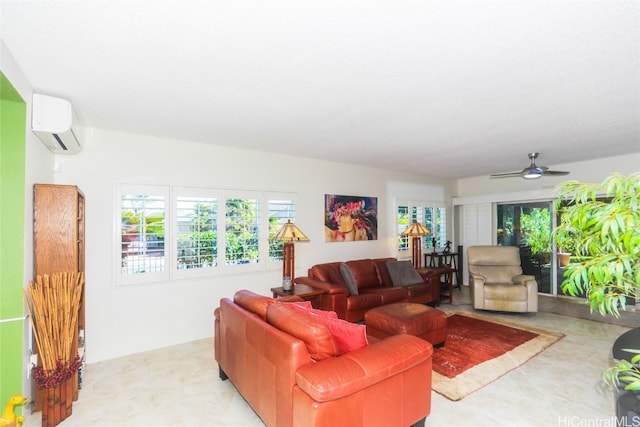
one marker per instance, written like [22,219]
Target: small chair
[496,280]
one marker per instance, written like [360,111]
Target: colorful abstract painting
[350,218]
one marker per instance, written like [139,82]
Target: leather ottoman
[407,318]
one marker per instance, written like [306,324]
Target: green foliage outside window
[536,228]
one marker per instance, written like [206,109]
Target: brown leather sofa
[374,287]
[265,349]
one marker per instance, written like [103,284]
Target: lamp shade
[416,229]
[290,233]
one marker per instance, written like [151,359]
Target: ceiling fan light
[532,175]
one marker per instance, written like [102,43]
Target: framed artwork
[350,218]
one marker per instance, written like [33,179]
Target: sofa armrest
[522,279]
[477,279]
[337,377]
[328,288]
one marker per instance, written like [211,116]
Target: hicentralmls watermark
[577,421]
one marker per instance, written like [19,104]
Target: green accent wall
[12,200]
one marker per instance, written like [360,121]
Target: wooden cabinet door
[58,237]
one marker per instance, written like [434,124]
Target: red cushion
[348,336]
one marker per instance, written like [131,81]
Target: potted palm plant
[602,221]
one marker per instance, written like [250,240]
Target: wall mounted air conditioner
[52,121]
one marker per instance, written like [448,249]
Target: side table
[305,292]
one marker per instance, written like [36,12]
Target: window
[176,232]
[142,233]
[196,232]
[242,231]
[280,211]
[403,223]
[432,215]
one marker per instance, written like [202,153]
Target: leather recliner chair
[496,280]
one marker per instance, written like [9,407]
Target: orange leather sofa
[375,287]
[263,347]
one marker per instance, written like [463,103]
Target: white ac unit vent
[52,120]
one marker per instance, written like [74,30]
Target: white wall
[123,320]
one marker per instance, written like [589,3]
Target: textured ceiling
[444,88]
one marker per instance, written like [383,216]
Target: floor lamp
[415,231]
[289,234]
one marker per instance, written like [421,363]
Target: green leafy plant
[565,236]
[603,219]
[627,372]
[535,228]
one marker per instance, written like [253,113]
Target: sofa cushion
[363,301]
[328,272]
[403,274]
[253,302]
[348,278]
[418,290]
[388,294]
[316,336]
[308,309]
[383,273]
[364,273]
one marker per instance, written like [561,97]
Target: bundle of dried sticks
[54,309]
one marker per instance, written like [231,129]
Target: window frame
[417,210]
[171,231]
[139,278]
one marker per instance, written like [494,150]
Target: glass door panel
[529,226]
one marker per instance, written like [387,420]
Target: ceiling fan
[531,172]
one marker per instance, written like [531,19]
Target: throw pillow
[403,274]
[348,279]
[348,336]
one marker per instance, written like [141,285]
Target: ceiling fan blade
[505,175]
[556,173]
[532,172]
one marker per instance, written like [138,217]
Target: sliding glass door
[529,226]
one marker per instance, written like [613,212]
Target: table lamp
[288,234]
[414,231]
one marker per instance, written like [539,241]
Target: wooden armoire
[58,241]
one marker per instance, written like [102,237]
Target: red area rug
[481,349]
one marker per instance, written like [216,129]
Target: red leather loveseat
[375,286]
[288,367]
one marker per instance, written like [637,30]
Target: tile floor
[179,385]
